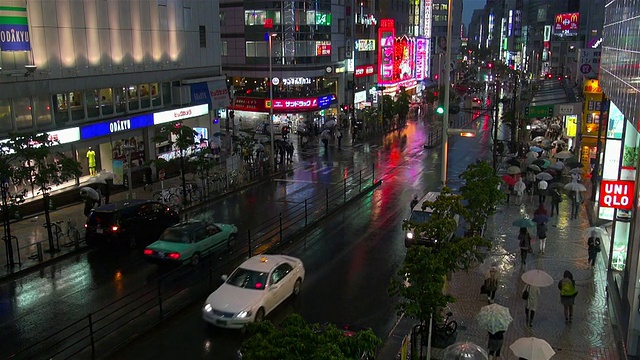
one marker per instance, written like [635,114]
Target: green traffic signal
[440,110]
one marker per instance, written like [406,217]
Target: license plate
[99,231]
[161,254]
[221,322]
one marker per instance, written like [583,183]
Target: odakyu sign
[14,29]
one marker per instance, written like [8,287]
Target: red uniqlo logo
[617,194]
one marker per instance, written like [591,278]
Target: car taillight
[115,228]
[148,252]
[173,256]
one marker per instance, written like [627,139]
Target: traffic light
[490,65]
[435,93]
[436,77]
[440,110]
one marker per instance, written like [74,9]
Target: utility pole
[495,129]
[514,125]
[447,88]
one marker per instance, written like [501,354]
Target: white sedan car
[253,290]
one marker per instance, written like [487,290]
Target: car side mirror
[224,277]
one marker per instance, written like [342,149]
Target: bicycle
[56,231]
[167,196]
[71,233]
[448,326]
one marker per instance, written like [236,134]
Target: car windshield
[175,236]
[419,216]
[248,279]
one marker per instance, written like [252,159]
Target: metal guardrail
[101,331]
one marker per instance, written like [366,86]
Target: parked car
[189,241]
[253,290]
[420,215]
[132,223]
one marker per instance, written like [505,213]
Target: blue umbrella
[536,149]
[523,223]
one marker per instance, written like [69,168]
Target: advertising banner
[566,24]
[611,163]
[421,58]
[386,39]
[118,172]
[617,194]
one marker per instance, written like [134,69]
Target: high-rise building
[107,74]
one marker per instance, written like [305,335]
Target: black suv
[132,223]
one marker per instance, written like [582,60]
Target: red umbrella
[509,180]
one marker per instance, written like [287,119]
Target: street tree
[36,162]
[295,339]
[482,194]
[181,139]
[402,104]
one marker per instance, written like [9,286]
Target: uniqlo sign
[617,194]
[365,70]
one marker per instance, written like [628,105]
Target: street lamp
[271,153]
[127,152]
[447,86]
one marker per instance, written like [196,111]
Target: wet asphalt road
[349,258]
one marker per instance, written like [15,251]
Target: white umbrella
[559,142]
[494,318]
[519,186]
[598,230]
[532,154]
[564,154]
[258,147]
[576,171]
[464,350]
[535,167]
[326,134]
[330,124]
[575,186]
[532,348]
[512,170]
[538,139]
[544,176]
[537,278]
[88,193]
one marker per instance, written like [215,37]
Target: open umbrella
[532,348]
[545,164]
[532,154]
[576,171]
[555,126]
[535,149]
[544,176]
[575,186]
[540,219]
[539,162]
[534,167]
[574,164]
[557,166]
[559,142]
[538,139]
[88,193]
[537,278]
[464,350]
[512,170]
[564,154]
[519,186]
[329,124]
[326,134]
[494,318]
[96,180]
[509,180]
[600,232]
[545,144]
[523,223]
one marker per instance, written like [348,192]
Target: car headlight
[244,314]
[208,308]
[409,235]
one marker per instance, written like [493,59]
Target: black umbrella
[539,162]
[513,162]
[574,165]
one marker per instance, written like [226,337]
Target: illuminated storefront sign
[611,163]
[592,107]
[180,114]
[323,19]
[250,104]
[421,58]
[615,125]
[386,39]
[114,126]
[360,96]
[366,45]
[296,81]
[295,104]
[617,194]
[284,105]
[14,29]
[547,33]
[426,31]
[571,125]
[566,24]
[365,70]
[323,48]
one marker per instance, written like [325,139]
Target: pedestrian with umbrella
[90,197]
[531,348]
[541,230]
[542,190]
[326,134]
[556,199]
[507,187]
[576,199]
[593,247]
[524,241]
[496,320]
[535,279]
[568,293]
[491,282]
[519,187]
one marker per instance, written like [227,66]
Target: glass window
[145,96]
[154,92]
[258,17]
[61,108]
[42,110]
[5,115]
[250,48]
[106,101]
[166,93]
[132,97]
[22,110]
[93,101]
[77,105]
[121,100]
[224,51]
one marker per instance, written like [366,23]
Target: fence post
[280,227]
[93,344]
[40,251]
[327,200]
[160,297]
[76,240]
[360,184]
[305,212]
[249,237]
[344,197]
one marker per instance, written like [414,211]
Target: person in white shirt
[542,191]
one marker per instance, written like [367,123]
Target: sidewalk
[589,336]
